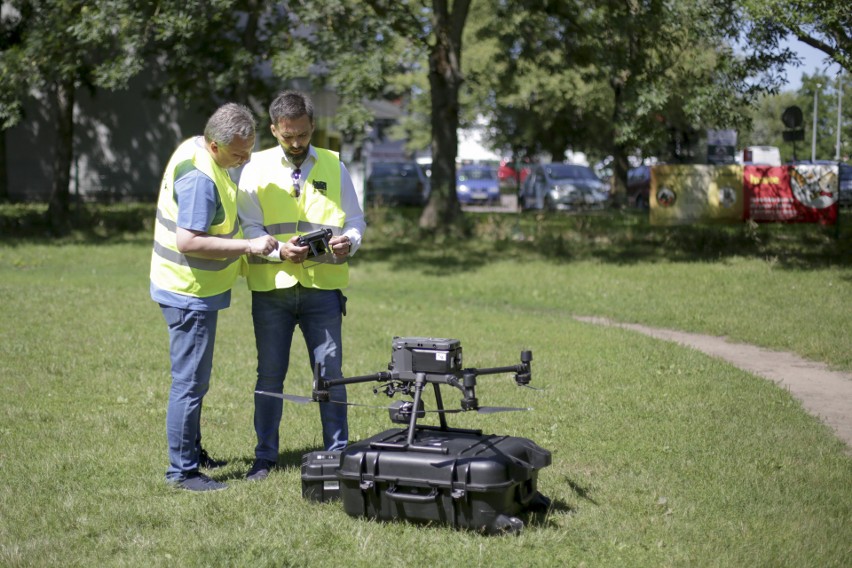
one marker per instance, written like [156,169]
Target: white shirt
[258,168]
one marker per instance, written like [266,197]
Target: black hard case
[472,481]
[319,476]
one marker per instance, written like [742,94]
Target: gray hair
[290,105]
[230,120]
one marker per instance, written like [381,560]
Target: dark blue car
[477,184]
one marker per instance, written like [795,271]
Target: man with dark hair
[287,191]
[198,248]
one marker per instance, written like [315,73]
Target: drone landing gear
[403,412]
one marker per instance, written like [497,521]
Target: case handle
[411,497]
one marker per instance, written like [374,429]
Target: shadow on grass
[621,237]
[612,237]
[579,490]
[288,459]
[90,224]
[543,518]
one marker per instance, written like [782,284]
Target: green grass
[661,456]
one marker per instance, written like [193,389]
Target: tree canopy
[605,77]
[50,49]
[823,24]
[618,78]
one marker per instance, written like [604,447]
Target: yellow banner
[682,194]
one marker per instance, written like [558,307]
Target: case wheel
[507,525]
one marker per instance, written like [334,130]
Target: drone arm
[380,376]
[523,371]
[321,386]
[496,370]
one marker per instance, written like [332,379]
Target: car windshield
[570,171]
[394,170]
[475,173]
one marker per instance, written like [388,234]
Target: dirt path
[824,393]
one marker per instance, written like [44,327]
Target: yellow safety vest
[285,215]
[174,271]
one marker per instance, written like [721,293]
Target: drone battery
[470,480]
[319,479]
[426,355]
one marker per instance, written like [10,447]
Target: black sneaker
[260,470]
[196,481]
[205,461]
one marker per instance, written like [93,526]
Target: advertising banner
[792,194]
[682,194]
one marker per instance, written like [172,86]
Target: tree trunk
[58,210]
[4,172]
[250,41]
[443,209]
[618,183]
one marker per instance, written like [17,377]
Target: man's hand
[262,245]
[293,252]
[340,246]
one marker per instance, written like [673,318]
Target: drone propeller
[495,409]
[482,410]
[305,400]
[291,397]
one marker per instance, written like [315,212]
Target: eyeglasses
[296,175]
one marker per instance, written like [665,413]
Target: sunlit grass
[661,455]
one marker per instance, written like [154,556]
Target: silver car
[560,186]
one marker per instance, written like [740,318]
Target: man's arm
[197,205]
[355,224]
[199,243]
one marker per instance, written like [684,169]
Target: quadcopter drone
[416,362]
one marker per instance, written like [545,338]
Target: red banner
[792,194]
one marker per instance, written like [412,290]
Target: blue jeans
[319,314]
[192,334]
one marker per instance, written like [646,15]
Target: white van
[766,155]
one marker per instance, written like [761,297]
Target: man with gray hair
[198,251]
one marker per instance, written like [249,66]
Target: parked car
[508,176]
[477,184]
[639,187]
[563,186]
[844,195]
[396,183]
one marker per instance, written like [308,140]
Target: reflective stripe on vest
[174,271]
[285,216]
[192,261]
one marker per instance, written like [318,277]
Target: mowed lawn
[662,456]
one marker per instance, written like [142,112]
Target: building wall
[122,141]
